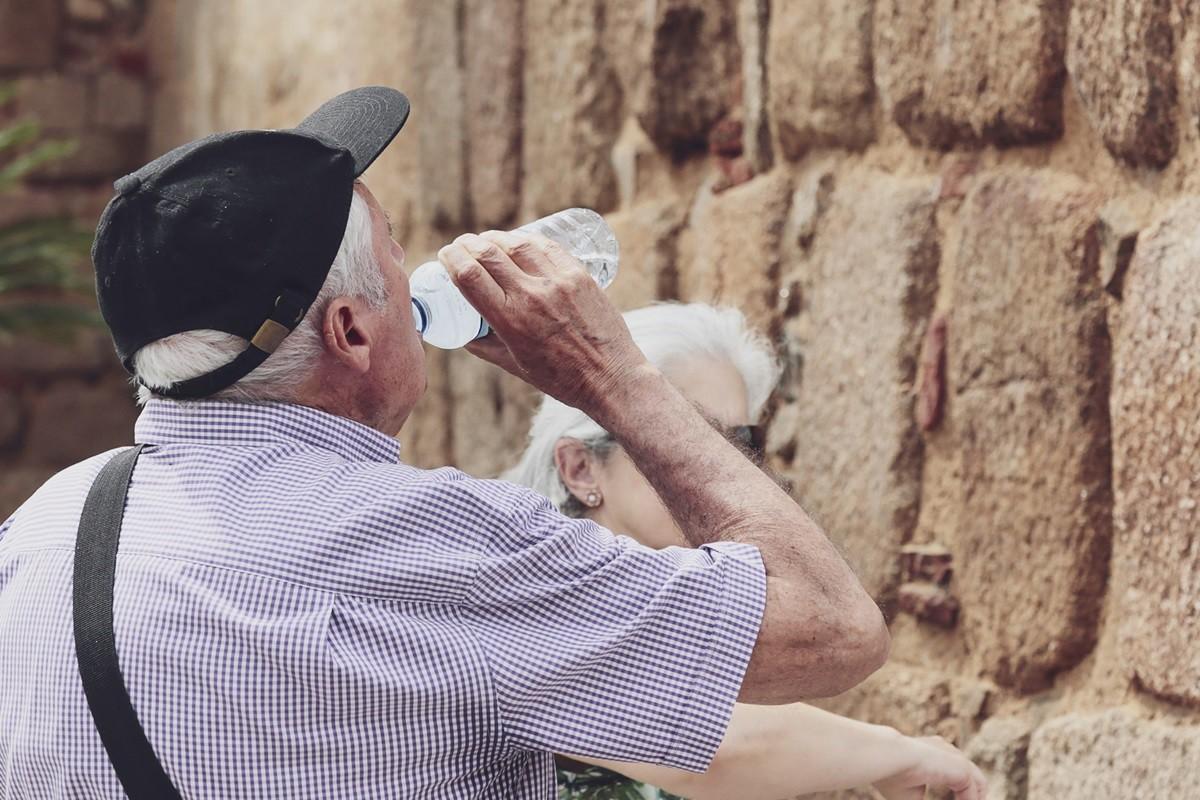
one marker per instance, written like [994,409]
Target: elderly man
[296,613]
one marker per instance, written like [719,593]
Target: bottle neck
[420,315]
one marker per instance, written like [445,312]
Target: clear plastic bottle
[444,317]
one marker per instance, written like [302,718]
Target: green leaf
[20,132]
[22,165]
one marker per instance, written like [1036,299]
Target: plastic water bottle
[444,317]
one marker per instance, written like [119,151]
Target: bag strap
[138,769]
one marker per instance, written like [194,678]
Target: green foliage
[39,258]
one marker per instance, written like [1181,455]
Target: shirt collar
[226,422]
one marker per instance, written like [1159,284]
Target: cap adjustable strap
[290,308]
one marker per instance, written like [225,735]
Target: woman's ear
[575,464]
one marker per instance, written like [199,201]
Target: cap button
[127,185]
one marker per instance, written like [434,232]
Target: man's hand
[553,326]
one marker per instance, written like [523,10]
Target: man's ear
[575,463]
[346,333]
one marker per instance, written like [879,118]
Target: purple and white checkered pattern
[298,615]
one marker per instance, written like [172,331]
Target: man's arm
[821,632]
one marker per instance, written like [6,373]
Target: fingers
[529,253]
[481,271]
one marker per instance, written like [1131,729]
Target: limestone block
[492,83]
[732,251]
[17,484]
[121,101]
[29,33]
[915,701]
[438,97]
[1028,366]
[868,293]
[693,66]
[647,235]
[11,416]
[76,419]
[969,73]
[490,415]
[1112,754]
[57,102]
[1122,61]
[1156,431]
[753,25]
[1001,750]
[99,155]
[571,109]
[89,355]
[819,67]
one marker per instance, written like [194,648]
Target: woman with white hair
[728,371]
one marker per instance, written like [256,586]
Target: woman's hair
[354,273]
[669,334]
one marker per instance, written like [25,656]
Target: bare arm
[783,751]
[821,632]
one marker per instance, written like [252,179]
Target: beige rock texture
[1028,363]
[1156,455]
[1004,187]
[572,108]
[961,74]
[1122,60]
[692,71]
[821,83]
[734,244]
[1112,754]
[868,292]
[1001,750]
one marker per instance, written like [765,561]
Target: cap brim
[363,121]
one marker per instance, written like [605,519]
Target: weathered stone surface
[29,33]
[57,102]
[17,484]
[438,91]
[99,155]
[647,235]
[868,292]
[731,252]
[1001,750]
[693,67]
[915,701]
[1112,754]
[1122,62]
[752,25]
[75,419]
[1121,220]
[953,73]
[1156,455]
[121,101]
[492,84]
[490,416]
[572,108]
[819,69]
[87,11]
[11,417]
[91,354]
[1028,361]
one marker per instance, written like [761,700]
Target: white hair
[354,273]
[669,334]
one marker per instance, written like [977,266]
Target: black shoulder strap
[128,749]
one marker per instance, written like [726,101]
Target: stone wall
[80,68]
[970,227]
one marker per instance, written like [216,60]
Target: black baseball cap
[236,232]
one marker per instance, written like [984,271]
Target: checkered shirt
[299,615]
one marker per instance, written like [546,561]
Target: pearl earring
[593,499]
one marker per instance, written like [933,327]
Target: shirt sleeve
[603,647]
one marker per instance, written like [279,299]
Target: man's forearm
[822,632]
